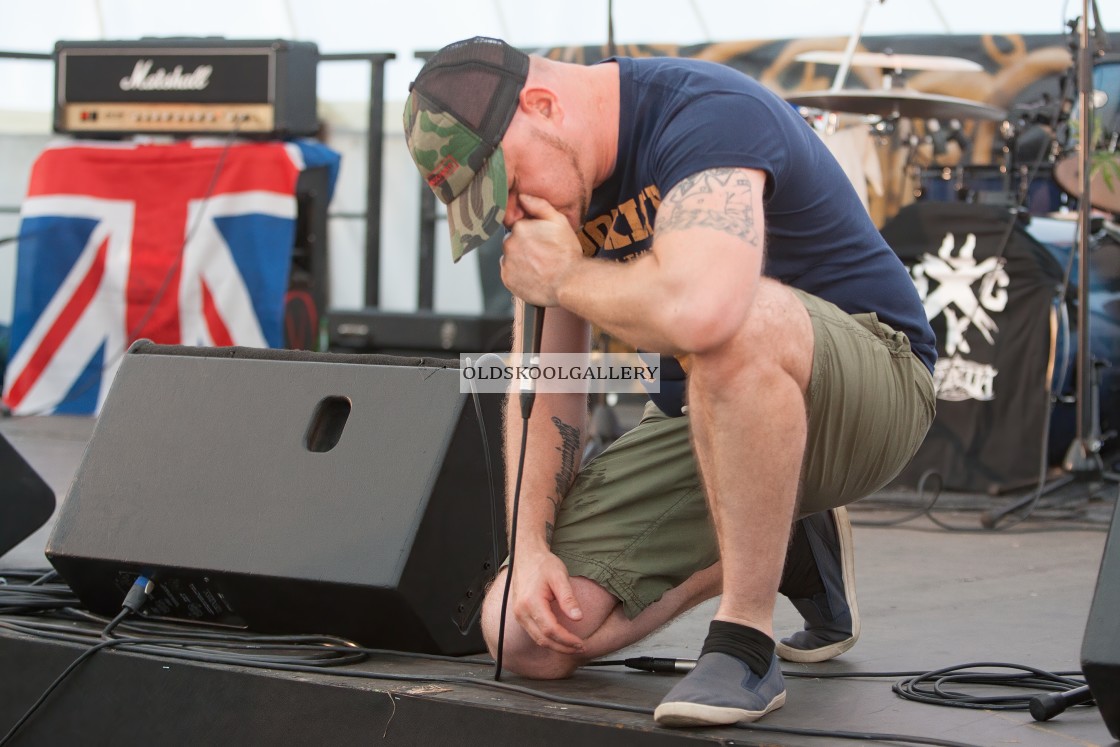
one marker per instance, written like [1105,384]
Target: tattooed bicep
[722,199]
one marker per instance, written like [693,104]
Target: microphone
[532,325]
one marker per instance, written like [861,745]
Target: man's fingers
[559,638]
[566,600]
[546,631]
[552,636]
[541,209]
[543,598]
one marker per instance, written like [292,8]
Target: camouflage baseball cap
[457,112]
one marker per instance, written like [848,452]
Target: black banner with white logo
[990,290]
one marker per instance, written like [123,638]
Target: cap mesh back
[477,81]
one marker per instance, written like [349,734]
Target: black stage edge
[929,599]
[119,698]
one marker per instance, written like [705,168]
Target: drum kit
[884,108]
[896,108]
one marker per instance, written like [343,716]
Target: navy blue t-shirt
[679,117]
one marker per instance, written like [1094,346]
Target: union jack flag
[185,243]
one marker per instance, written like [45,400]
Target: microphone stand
[1082,462]
[1083,457]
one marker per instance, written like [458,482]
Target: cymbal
[888,61]
[900,102]
[1067,173]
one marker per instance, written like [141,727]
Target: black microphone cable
[512,550]
[532,329]
[936,687]
[137,596]
[496,527]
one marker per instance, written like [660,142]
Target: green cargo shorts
[636,521]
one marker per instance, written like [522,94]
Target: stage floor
[929,598]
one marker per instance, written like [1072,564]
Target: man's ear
[539,101]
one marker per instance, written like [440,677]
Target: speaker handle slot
[327,424]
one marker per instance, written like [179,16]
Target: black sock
[752,647]
[800,577]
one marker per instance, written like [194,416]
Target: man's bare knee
[520,654]
[527,659]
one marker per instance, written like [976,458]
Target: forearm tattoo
[722,199]
[566,474]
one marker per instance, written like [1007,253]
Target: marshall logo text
[143,79]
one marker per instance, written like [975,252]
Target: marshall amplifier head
[186,87]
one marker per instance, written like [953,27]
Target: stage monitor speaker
[26,502]
[1100,649]
[288,491]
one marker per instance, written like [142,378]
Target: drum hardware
[1043,111]
[965,184]
[897,102]
[850,47]
[1006,184]
[886,107]
[1037,127]
[1033,137]
[894,100]
[942,138]
[892,105]
[1082,462]
[1020,178]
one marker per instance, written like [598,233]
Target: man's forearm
[552,460]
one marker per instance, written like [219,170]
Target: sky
[405,28]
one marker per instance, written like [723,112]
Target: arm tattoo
[566,475]
[722,199]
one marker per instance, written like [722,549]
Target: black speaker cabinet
[1100,649]
[286,491]
[26,502]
